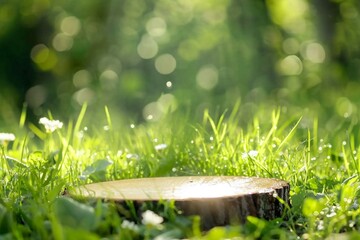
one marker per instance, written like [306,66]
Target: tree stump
[218,200]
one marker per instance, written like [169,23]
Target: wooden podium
[218,200]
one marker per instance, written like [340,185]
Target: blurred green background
[144,58]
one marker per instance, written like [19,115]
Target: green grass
[321,165]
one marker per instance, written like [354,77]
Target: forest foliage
[146,58]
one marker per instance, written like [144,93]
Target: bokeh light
[108,80]
[156,27]
[70,25]
[82,78]
[147,48]
[154,111]
[167,103]
[344,107]
[290,65]
[207,77]
[291,46]
[290,14]
[36,96]
[165,64]
[39,53]
[314,52]
[44,57]
[84,95]
[62,42]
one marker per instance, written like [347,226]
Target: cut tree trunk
[218,200]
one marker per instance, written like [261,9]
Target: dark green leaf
[74,214]
[97,170]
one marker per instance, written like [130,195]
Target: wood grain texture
[218,200]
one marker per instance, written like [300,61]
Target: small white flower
[7,137]
[50,125]
[160,147]
[132,156]
[331,214]
[151,218]
[129,225]
[251,153]
[320,225]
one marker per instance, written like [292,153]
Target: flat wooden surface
[179,188]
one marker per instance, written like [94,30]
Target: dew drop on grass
[106,128]
[344,143]
[211,138]
[174,170]
[132,125]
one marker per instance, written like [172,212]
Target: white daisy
[6,137]
[50,125]
[151,218]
